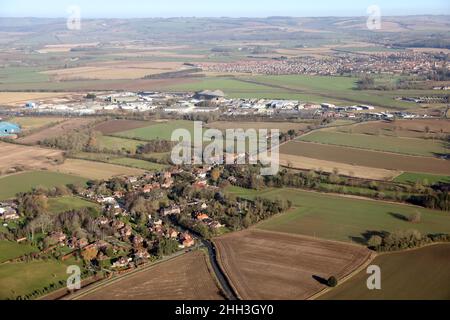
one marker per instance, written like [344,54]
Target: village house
[186,240]
[171,210]
[172,233]
[9,213]
[122,262]
[201,216]
[142,254]
[58,237]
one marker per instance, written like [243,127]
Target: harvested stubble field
[13,156]
[366,158]
[114,126]
[20,98]
[184,278]
[115,70]
[305,163]
[274,266]
[412,275]
[56,130]
[95,170]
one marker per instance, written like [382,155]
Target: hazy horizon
[134,9]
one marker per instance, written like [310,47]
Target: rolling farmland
[95,170]
[184,278]
[16,156]
[422,274]
[343,218]
[26,181]
[408,146]
[247,258]
[366,158]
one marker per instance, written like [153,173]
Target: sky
[217,8]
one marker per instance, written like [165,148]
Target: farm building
[209,95]
[8,129]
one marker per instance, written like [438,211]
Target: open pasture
[114,126]
[417,128]
[162,131]
[409,146]
[26,181]
[343,218]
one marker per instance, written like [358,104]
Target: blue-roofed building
[9,129]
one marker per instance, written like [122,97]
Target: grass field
[32,123]
[317,89]
[410,146]
[417,128]
[10,250]
[118,144]
[422,274]
[123,161]
[429,179]
[63,204]
[17,279]
[24,182]
[161,131]
[137,163]
[343,218]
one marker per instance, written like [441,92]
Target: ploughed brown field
[184,278]
[56,130]
[13,155]
[367,158]
[114,126]
[265,265]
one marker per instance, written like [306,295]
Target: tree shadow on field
[365,236]
[398,216]
[320,280]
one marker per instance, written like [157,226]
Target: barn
[8,129]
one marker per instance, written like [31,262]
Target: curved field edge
[247,258]
[417,274]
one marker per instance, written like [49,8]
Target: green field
[409,146]
[317,89]
[24,182]
[10,250]
[137,163]
[118,144]
[30,123]
[428,179]
[63,204]
[162,131]
[124,161]
[343,218]
[17,279]
[422,274]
